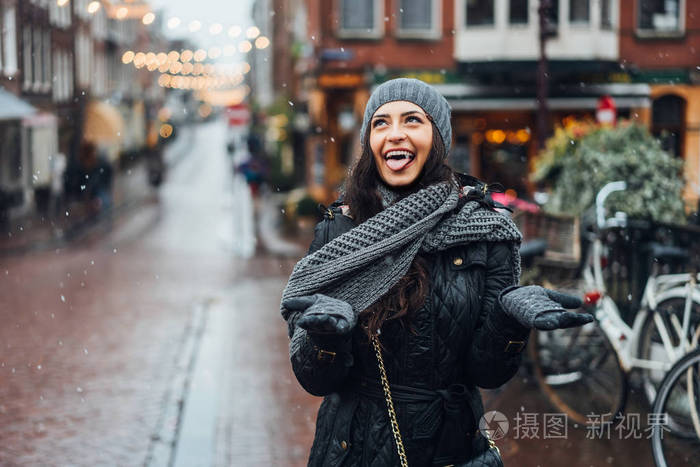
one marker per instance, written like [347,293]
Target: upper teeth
[399,153]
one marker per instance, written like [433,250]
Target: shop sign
[345,80]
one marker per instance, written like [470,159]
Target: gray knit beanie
[418,92]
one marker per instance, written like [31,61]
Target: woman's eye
[377,122]
[414,119]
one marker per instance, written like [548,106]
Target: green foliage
[307,206]
[577,171]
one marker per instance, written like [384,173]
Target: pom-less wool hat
[412,90]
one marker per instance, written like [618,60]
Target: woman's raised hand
[322,314]
[536,307]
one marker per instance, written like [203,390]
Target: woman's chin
[399,179]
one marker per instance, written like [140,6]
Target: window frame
[479,26]
[377,31]
[435,31]
[660,34]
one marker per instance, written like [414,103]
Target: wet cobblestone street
[155,344]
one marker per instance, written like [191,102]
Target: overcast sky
[225,12]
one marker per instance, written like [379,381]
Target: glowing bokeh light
[93,7]
[200,55]
[186,55]
[128,57]
[262,42]
[245,47]
[174,22]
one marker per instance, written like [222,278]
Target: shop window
[361,19]
[518,13]
[668,123]
[503,157]
[418,18]
[579,11]
[606,20]
[660,17]
[480,12]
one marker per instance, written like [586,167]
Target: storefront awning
[103,123]
[465,97]
[12,107]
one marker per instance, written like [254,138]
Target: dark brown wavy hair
[361,195]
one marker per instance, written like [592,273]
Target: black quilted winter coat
[457,342]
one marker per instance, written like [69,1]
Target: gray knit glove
[536,307]
[322,314]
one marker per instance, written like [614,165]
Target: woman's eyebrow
[402,115]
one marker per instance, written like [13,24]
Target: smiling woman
[400,311]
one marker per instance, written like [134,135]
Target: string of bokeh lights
[220,83]
[128,11]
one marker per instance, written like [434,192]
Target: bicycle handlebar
[602,195]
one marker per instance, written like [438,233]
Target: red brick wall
[389,50]
[681,52]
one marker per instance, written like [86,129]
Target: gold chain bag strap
[392,413]
[390,403]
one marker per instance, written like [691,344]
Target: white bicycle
[586,370]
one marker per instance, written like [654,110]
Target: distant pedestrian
[58,182]
[96,178]
[406,302]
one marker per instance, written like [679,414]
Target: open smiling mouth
[398,160]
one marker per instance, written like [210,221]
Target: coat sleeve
[321,363]
[498,340]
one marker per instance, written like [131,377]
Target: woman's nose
[396,133]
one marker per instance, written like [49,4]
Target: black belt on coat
[448,412]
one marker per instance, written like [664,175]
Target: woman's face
[401,137]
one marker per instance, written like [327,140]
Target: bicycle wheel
[651,346]
[579,372]
[679,399]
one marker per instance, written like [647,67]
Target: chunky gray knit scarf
[363,264]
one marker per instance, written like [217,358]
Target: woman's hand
[536,307]
[322,314]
